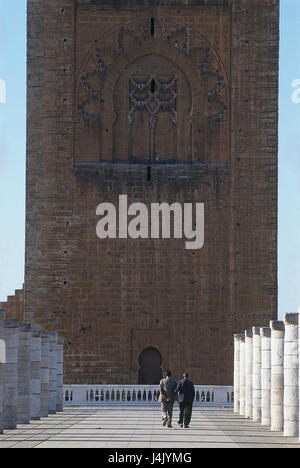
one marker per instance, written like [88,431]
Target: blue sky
[12,151]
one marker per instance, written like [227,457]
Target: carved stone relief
[163,97]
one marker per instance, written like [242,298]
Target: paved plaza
[140,427]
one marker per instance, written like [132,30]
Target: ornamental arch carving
[152,96]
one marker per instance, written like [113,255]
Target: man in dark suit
[186,396]
[167,388]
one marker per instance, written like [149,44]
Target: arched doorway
[150,372]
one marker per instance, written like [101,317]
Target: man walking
[167,388]
[186,396]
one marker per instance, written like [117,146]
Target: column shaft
[10,374]
[52,392]
[242,375]
[24,373]
[277,377]
[60,372]
[265,376]
[256,381]
[248,375]
[45,374]
[36,356]
[237,351]
[291,376]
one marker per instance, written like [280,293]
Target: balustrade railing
[140,395]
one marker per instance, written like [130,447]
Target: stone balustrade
[209,396]
[31,373]
[266,375]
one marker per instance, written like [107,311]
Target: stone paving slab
[141,427]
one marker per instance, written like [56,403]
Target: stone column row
[266,375]
[31,373]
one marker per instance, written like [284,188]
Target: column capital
[11,323]
[256,331]
[291,319]
[25,327]
[238,337]
[248,334]
[277,325]
[37,333]
[53,335]
[265,332]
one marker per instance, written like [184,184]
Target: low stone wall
[31,373]
[266,375]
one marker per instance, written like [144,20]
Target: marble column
[291,376]
[60,375]
[2,364]
[52,391]
[299,364]
[45,374]
[36,357]
[24,373]
[256,381]
[248,374]
[242,375]
[10,374]
[277,377]
[265,334]
[237,352]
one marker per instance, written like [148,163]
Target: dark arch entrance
[150,372]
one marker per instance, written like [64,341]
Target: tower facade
[161,102]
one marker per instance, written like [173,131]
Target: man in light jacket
[186,396]
[167,388]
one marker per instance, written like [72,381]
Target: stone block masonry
[31,373]
[92,68]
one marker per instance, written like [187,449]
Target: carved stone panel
[153,90]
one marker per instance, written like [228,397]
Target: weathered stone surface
[266,377]
[36,357]
[52,389]
[113,299]
[14,306]
[249,374]
[10,374]
[60,375]
[45,374]
[291,376]
[242,375]
[24,373]
[237,354]
[256,376]
[277,375]
[2,362]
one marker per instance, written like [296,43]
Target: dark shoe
[170,427]
[165,422]
[187,427]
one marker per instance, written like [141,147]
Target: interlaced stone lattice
[153,95]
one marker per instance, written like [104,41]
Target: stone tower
[162,101]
